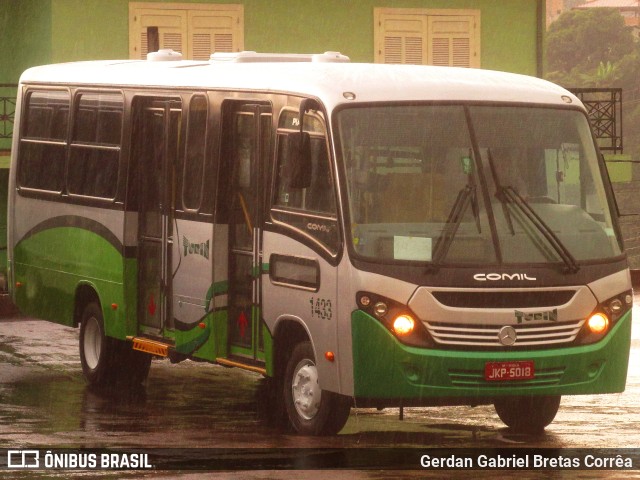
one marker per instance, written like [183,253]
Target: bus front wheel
[311,410]
[527,414]
[107,360]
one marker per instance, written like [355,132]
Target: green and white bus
[362,235]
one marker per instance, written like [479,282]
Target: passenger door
[247,147]
[157,126]
[193,248]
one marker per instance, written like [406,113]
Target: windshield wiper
[500,192]
[507,194]
[467,196]
[453,222]
[516,199]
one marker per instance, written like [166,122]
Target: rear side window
[43,145]
[95,145]
[71,143]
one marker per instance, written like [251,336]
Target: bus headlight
[604,317]
[396,317]
[598,323]
[403,325]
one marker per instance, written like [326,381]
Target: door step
[231,363]
[150,346]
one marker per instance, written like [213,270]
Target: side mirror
[300,159]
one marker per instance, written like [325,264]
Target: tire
[527,414]
[311,410]
[270,403]
[105,360]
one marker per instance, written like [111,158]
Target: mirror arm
[304,107]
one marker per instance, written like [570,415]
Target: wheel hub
[306,390]
[92,343]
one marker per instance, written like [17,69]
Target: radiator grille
[501,299]
[487,336]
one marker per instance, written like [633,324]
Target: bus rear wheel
[107,360]
[527,414]
[311,410]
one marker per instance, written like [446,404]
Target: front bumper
[388,371]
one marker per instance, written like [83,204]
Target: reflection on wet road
[44,401]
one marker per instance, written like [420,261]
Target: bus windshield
[455,184]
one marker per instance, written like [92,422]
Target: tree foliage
[581,39]
[594,48]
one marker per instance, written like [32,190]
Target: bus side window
[317,201]
[95,145]
[286,195]
[319,196]
[43,145]
[195,153]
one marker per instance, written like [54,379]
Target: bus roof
[330,82]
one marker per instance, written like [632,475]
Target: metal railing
[604,107]
[7,113]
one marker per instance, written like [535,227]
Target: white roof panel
[327,81]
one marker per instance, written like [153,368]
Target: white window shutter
[196,30]
[425,36]
[400,39]
[172,25]
[214,31]
[453,41]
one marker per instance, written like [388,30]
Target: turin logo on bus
[496,277]
[550,316]
[195,248]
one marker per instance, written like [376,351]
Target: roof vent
[253,57]
[164,55]
[332,57]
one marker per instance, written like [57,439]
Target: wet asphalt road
[45,403]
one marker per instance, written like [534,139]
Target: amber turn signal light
[598,323]
[403,325]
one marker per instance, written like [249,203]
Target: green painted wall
[89,30]
[25,40]
[508,28]
[98,29]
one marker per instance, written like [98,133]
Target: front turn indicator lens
[403,325]
[598,323]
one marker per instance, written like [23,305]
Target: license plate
[500,371]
